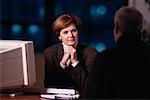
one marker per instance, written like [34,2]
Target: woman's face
[69,35]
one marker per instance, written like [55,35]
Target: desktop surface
[21,97]
[39,94]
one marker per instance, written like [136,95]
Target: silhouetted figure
[123,71]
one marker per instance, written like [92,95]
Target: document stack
[57,93]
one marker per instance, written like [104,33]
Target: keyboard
[61,91]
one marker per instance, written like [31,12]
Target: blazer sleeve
[51,67]
[48,67]
[82,71]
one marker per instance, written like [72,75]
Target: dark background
[32,20]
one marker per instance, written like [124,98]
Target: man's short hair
[129,21]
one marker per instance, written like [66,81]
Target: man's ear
[117,33]
[116,29]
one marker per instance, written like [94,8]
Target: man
[123,71]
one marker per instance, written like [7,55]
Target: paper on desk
[60,96]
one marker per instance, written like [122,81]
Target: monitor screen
[17,64]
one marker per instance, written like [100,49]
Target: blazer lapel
[59,52]
[79,52]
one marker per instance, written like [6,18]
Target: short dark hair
[129,21]
[64,21]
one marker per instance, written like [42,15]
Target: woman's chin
[71,44]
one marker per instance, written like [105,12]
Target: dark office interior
[32,20]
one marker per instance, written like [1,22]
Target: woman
[68,64]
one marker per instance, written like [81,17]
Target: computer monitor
[17,64]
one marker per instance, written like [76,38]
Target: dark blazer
[121,72]
[76,77]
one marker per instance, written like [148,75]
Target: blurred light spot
[58,10]
[97,11]
[100,47]
[93,11]
[101,10]
[41,12]
[16,28]
[33,29]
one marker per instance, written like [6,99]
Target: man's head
[128,21]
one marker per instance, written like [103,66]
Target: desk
[39,94]
[21,97]
[29,97]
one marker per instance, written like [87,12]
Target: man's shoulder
[147,47]
[109,51]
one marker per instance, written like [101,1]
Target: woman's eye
[65,32]
[74,30]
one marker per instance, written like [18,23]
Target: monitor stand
[10,92]
[22,91]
